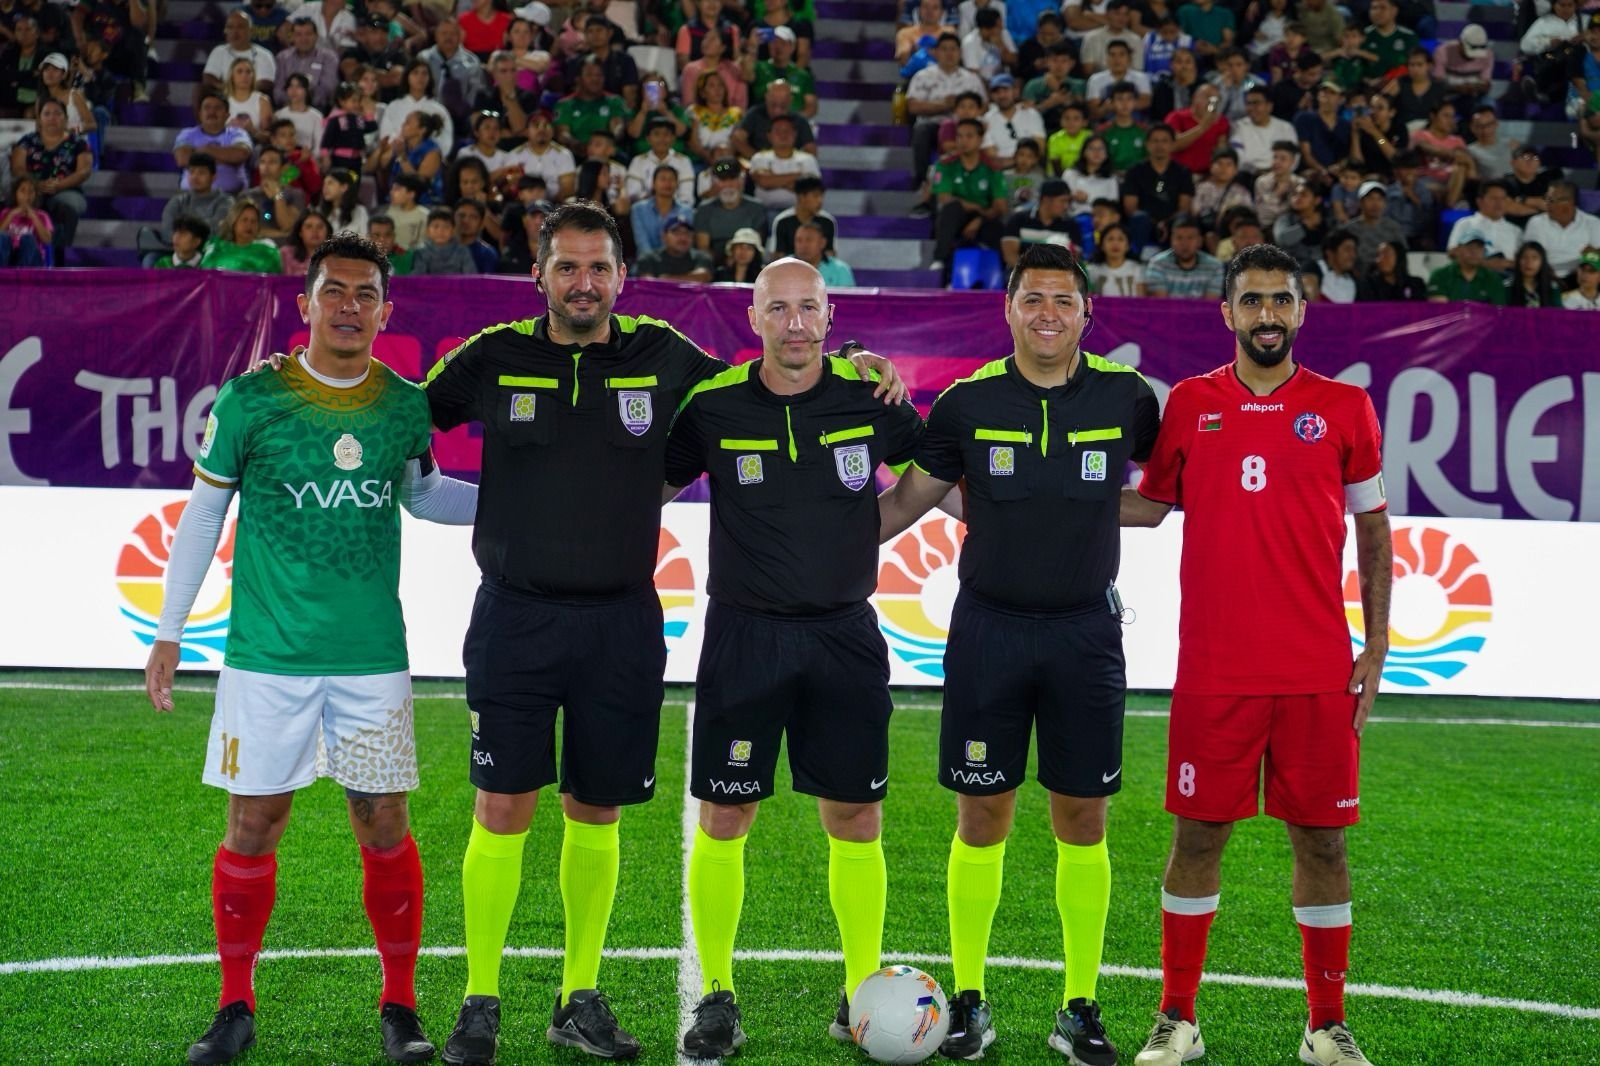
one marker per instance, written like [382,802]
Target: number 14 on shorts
[230,756]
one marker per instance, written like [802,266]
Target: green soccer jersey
[978,187]
[1125,144]
[585,118]
[316,565]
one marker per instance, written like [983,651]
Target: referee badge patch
[1094,466]
[634,407]
[1002,461]
[854,465]
[750,470]
[522,406]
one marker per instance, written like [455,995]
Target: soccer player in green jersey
[314,679]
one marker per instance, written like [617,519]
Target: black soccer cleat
[839,1028]
[586,1023]
[1080,1036]
[971,1027]
[232,1031]
[476,1036]
[403,1038]
[716,1032]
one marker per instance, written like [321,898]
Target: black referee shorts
[824,679]
[600,661]
[1004,671]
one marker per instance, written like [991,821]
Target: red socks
[392,892]
[242,890]
[1325,947]
[1185,924]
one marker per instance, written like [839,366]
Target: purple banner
[106,377]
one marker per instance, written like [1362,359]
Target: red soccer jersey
[1264,482]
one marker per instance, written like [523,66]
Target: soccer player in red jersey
[1265,457]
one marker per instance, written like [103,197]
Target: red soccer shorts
[1217,746]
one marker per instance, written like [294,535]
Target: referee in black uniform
[1040,439]
[575,409]
[791,443]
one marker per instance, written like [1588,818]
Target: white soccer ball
[899,1014]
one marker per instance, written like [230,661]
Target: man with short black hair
[1184,271]
[1337,266]
[808,197]
[776,169]
[1465,277]
[1156,189]
[1046,221]
[972,197]
[1254,136]
[1489,222]
[931,98]
[1092,49]
[1564,231]
[1117,73]
[659,133]
[677,259]
[228,146]
[1007,123]
[307,55]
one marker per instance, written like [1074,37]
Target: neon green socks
[973,888]
[858,886]
[716,898]
[1083,896]
[491,874]
[590,855]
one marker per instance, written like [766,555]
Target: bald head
[789,310]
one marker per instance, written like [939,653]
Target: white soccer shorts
[275,733]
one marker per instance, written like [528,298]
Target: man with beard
[575,408]
[1040,439]
[1265,457]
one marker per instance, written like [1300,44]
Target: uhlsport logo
[917,587]
[1440,612]
[675,587]
[141,569]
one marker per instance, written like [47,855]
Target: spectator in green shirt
[1388,41]
[780,67]
[971,195]
[189,236]
[1056,87]
[590,109]
[380,231]
[236,246]
[1123,135]
[1210,25]
[1466,278]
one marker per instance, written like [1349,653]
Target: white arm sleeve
[193,546]
[436,498]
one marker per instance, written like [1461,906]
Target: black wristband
[848,347]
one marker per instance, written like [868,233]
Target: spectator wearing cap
[650,213]
[811,246]
[775,15]
[743,259]
[781,64]
[660,133]
[1527,185]
[708,15]
[988,49]
[715,60]
[808,199]
[776,169]
[589,109]
[932,21]
[1465,277]
[55,84]
[621,72]
[1254,135]
[229,146]
[1092,51]
[457,71]
[1564,230]
[309,57]
[1372,226]
[727,210]
[505,96]
[1465,66]
[1500,235]
[236,44]
[1184,271]
[677,259]
[971,195]
[543,157]
[1102,85]
[1049,220]
[931,97]
[1586,296]
[753,132]
[1007,122]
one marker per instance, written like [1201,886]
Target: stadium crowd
[1153,137]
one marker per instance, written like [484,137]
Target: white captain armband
[429,495]
[1366,496]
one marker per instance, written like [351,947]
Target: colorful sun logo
[1440,611]
[675,586]
[141,570]
[917,587]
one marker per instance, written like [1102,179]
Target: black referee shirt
[794,511]
[1043,469]
[574,449]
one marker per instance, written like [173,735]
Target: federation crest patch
[739,752]
[210,437]
[977,751]
[636,412]
[1002,461]
[1310,427]
[1094,466]
[854,465]
[347,452]
[750,472]
[1210,423]
[523,406]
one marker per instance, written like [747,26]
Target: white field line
[907,705]
[1004,962]
[688,958]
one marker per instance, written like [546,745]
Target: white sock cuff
[1189,904]
[1330,916]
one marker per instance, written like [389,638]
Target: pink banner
[106,376]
